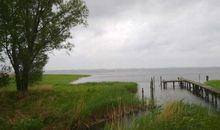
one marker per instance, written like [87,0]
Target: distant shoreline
[114,69]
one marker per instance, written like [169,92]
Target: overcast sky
[144,34]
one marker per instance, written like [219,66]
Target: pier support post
[181,84]
[212,98]
[193,88]
[216,100]
[173,85]
[201,92]
[163,85]
[207,95]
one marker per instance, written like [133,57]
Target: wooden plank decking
[217,91]
[206,92]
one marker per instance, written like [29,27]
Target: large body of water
[142,78]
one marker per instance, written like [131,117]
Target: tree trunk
[21,78]
[18,81]
[17,77]
[25,79]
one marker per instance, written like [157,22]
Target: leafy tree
[29,29]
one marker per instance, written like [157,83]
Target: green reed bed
[174,116]
[54,103]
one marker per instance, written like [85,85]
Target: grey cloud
[145,33]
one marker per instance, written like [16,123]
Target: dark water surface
[142,78]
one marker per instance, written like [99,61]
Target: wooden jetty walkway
[206,92]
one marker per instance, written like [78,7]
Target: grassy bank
[174,116]
[214,83]
[54,103]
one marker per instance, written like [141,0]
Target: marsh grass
[174,116]
[54,103]
[213,83]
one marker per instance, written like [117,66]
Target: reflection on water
[142,78]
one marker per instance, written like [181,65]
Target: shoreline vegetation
[173,116]
[54,103]
[213,83]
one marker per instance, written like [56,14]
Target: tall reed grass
[174,116]
[54,103]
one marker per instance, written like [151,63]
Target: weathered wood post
[152,102]
[216,103]
[154,82]
[178,79]
[201,92]
[207,78]
[206,95]
[193,88]
[152,88]
[164,85]
[212,98]
[143,95]
[161,85]
[174,85]
[181,84]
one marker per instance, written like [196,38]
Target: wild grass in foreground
[54,103]
[213,83]
[174,116]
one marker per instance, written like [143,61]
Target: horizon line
[188,67]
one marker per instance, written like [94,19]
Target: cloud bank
[144,34]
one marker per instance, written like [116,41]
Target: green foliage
[29,29]
[214,83]
[29,124]
[4,76]
[175,116]
[62,105]
[37,70]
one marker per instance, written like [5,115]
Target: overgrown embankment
[54,103]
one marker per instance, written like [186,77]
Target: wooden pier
[208,93]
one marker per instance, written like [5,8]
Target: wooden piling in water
[212,98]
[216,100]
[152,88]
[142,95]
[173,85]
[206,95]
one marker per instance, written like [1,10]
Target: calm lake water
[142,78]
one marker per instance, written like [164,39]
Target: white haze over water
[144,34]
